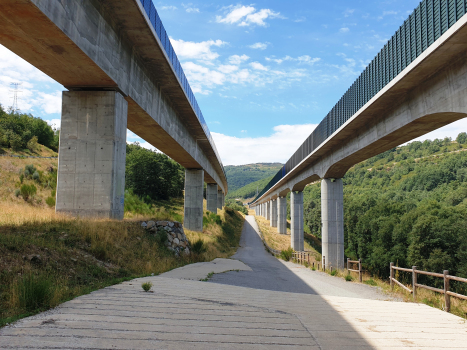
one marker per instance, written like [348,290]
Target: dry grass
[77,256]
[281,242]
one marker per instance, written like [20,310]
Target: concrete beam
[211,198]
[332,218]
[296,224]
[92,150]
[273,222]
[194,187]
[282,215]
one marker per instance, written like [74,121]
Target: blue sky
[264,73]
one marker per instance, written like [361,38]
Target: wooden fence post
[414,282]
[348,266]
[391,275]
[447,297]
[309,262]
[360,277]
[324,263]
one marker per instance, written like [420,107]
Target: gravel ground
[276,275]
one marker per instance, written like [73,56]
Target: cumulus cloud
[236,59]
[344,30]
[198,51]
[260,46]
[258,66]
[278,147]
[245,16]
[190,8]
[168,8]
[301,59]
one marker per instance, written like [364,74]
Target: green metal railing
[430,20]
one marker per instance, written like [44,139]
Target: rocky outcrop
[171,233]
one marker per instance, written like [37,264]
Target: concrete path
[187,314]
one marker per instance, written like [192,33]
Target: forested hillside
[249,191]
[407,205]
[242,175]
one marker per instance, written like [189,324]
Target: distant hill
[249,191]
[239,176]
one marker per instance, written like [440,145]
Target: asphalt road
[270,273]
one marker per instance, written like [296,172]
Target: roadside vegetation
[239,176]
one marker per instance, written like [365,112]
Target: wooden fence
[445,276]
[359,262]
[304,257]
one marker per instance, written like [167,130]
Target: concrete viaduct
[116,60]
[416,84]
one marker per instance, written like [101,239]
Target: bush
[287,254]
[29,170]
[461,138]
[21,178]
[198,247]
[50,201]
[32,144]
[17,192]
[35,292]
[333,272]
[16,143]
[146,286]
[35,176]
[348,278]
[28,191]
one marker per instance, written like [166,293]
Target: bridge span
[416,84]
[116,60]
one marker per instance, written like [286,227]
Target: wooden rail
[302,257]
[445,276]
[349,265]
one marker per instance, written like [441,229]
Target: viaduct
[416,83]
[120,70]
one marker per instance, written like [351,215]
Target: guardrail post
[414,282]
[348,266]
[360,277]
[324,263]
[447,297]
[309,262]
[391,276]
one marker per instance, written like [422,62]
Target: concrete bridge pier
[211,198]
[332,218]
[220,199]
[194,186]
[282,215]
[296,225]
[92,150]
[268,210]
[274,213]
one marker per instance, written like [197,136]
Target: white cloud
[49,103]
[227,68]
[277,147]
[301,19]
[258,66]
[387,13]
[246,15]
[260,46]
[168,8]
[190,8]
[348,12]
[302,59]
[198,51]
[54,123]
[202,78]
[236,59]
[344,30]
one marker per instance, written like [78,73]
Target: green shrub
[28,191]
[35,292]
[136,205]
[333,272]
[35,176]
[32,144]
[50,201]
[21,178]
[146,286]
[370,282]
[348,278]
[29,170]
[198,247]
[17,192]
[287,254]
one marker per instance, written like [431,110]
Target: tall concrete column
[332,218]
[282,215]
[296,224]
[211,198]
[194,186]
[219,199]
[92,150]
[274,213]
[268,210]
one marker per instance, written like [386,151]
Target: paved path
[186,314]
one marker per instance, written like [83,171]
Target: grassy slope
[249,191]
[239,176]
[63,257]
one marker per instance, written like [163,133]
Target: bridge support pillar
[219,199]
[332,218]
[282,215]
[274,213]
[268,210]
[91,166]
[211,198]
[194,186]
[296,225]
